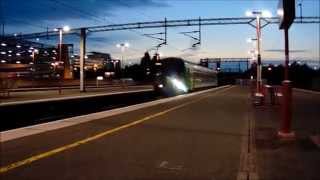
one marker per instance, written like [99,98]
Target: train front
[170,77]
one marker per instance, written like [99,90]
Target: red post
[285,126]
[286,109]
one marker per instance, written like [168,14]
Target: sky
[21,16]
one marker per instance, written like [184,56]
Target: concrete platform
[53,95]
[212,134]
[188,137]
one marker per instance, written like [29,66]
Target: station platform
[29,95]
[205,135]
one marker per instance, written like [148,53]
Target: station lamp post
[122,46]
[61,30]
[258,15]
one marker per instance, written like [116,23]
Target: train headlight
[179,85]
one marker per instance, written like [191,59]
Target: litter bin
[272,94]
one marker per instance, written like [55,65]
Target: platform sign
[286,13]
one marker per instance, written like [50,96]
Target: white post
[82,58]
[259,66]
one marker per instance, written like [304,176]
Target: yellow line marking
[97,136]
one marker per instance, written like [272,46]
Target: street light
[61,30]
[123,46]
[258,15]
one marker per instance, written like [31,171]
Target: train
[174,76]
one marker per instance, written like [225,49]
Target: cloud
[38,11]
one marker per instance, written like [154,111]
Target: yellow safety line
[92,138]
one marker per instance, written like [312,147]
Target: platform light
[280,12]
[266,13]
[160,86]
[18,62]
[3,44]
[249,13]
[9,51]
[18,46]
[18,54]
[3,53]
[9,55]
[3,61]
[66,28]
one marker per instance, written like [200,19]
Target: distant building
[97,63]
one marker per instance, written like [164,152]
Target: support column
[286,109]
[82,58]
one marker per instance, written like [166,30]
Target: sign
[286,13]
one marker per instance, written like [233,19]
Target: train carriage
[176,76]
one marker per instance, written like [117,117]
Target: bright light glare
[266,13]
[179,85]
[126,44]
[100,78]
[249,40]
[249,13]
[280,12]
[66,28]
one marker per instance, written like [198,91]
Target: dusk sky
[29,16]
